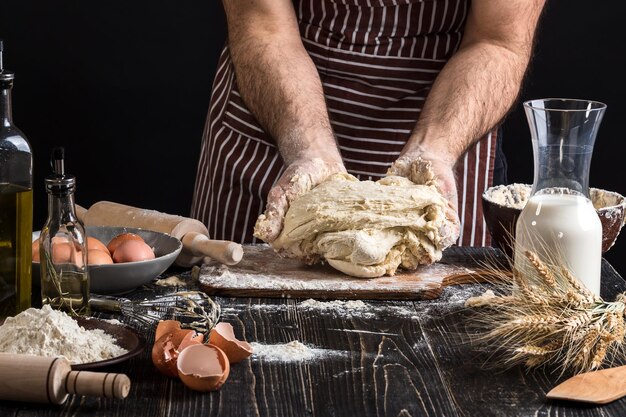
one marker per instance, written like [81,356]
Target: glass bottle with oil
[62,245]
[16,207]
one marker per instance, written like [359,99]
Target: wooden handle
[45,380]
[224,251]
[97,384]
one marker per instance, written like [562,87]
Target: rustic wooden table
[392,358]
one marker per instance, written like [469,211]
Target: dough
[365,228]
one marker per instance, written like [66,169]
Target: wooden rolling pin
[51,380]
[193,233]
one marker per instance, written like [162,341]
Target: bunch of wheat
[550,318]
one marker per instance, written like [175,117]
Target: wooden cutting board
[262,273]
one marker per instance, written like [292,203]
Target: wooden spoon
[596,387]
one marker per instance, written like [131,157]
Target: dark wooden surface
[397,358]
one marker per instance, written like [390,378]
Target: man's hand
[299,178]
[424,167]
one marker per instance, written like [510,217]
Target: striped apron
[377,60]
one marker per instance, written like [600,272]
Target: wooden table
[392,359]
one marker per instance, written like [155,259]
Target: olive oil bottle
[16,207]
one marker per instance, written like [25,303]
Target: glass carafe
[559,222]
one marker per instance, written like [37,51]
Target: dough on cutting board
[366,228]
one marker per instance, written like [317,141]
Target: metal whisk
[194,309]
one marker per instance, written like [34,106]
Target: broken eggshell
[168,346]
[166,326]
[203,367]
[223,336]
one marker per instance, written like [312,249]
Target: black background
[124,86]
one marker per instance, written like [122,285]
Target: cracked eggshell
[168,346]
[166,326]
[223,336]
[203,367]
[165,355]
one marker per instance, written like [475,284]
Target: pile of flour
[294,351]
[48,332]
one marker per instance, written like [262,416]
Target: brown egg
[62,251]
[65,252]
[223,336]
[117,240]
[133,251]
[98,257]
[93,244]
[36,250]
[203,367]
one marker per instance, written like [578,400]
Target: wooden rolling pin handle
[49,380]
[226,252]
[97,384]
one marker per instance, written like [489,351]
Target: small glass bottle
[16,207]
[63,245]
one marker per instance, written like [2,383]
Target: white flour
[333,305]
[513,195]
[289,352]
[173,281]
[48,332]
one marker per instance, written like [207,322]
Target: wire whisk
[194,309]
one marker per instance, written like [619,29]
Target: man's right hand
[299,178]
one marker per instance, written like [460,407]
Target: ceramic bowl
[123,277]
[501,219]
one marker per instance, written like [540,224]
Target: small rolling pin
[50,380]
[193,233]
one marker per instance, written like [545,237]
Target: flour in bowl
[48,332]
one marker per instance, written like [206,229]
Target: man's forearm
[470,96]
[280,85]
[480,83]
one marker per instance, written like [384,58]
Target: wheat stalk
[547,317]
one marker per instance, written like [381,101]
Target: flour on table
[48,332]
[349,305]
[173,281]
[364,228]
[294,351]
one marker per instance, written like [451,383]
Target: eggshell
[164,355]
[223,336]
[132,251]
[166,326]
[123,237]
[98,257]
[203,367]
[95,244]
[169,344]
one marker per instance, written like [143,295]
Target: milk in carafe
[562,228]
[559,223]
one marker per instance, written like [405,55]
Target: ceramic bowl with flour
[502,205]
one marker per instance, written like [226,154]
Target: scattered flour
[173,281]
[114,321]
[294,351]
[333,305]
[48,332]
